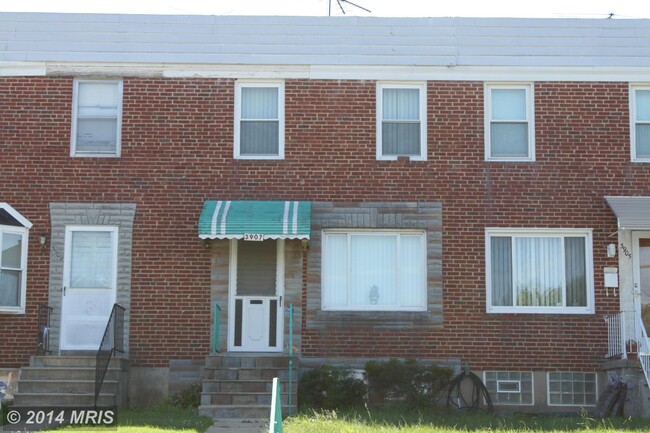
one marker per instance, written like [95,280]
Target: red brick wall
[177,152]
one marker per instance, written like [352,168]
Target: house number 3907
[627,253]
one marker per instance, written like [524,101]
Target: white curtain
[91,263]
[501,257]
[642,133]
[401,122]
[366,270]
[259,134]
[11,269]
[575,272]
[97,117]
[509,126]
[373,272]
[538,271]
[411,270]
[335,270]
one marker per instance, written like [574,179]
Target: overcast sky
[413,8]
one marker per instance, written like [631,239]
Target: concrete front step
[213,398]
[247,361]
[54,386]
[71,361]
[239,411]
[245,373]
[62,399]
[65,373]
[239,386]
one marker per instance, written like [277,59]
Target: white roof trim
[16,215]
[331,72]
[633,213]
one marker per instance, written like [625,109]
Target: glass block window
[572,389]
[509,387]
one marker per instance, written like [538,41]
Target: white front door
[256,289]
[641,259]
[89,285]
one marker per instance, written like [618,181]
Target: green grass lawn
[166,419]
[400,422]
[160,419]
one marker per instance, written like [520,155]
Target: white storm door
[257,286]
[89,285]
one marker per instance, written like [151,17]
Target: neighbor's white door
[89,285]
[641,259]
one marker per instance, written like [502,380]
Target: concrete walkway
[239,425]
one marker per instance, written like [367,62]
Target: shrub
[190,397]
[407,382]
[330,388]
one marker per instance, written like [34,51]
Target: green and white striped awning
[255,220]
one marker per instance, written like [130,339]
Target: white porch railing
[627,335]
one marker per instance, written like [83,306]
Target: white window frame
[633,122]
[24,233]
[530,120]
[239,85]
[349,233]
[422,88]
[519,381]
[543,233]
[548,389]
[75,117]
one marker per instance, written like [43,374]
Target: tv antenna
[340,3]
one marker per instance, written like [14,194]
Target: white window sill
[374,310]
[540,310]
[396,158]
[526,159]
[12,310]
[94,155]
[260,157]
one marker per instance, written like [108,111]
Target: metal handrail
[216,326]
[643,346]
[625,329]
[112,341]
[43,329]
[290,358]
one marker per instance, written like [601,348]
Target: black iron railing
[43,336]
[113,341]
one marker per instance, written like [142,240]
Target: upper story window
[14,229]
[96,118]
[259,120]
[640,123]
[509,122]
[374,270]
[401,121]
[539,271]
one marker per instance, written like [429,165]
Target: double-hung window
[509,122]
[539,271]
[259,120]
[14,230]
[374,271]
[96,118]
[640,123]
[401,121]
